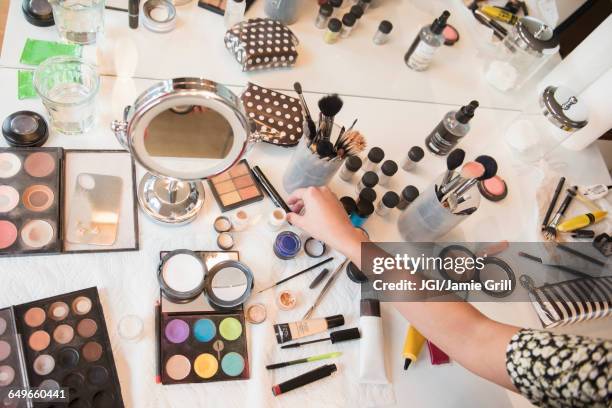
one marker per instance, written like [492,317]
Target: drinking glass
[68,87]
[79,21]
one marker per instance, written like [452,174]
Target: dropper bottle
[451,129]
[424,46]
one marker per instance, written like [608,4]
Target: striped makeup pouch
[572,301]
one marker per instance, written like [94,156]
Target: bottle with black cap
[387,170]
[369,179]
[364,4]
[375,156]
[38,12]
[382,34]
[415,155]
[349,204]
[352,164]
[424,46]
[409,194]
[348,22]
[368,194]
[454,126]
[357,11]
[364,209]
[333,31]
[389,201]
[325,12]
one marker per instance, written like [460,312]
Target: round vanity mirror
[228,284]
[182,131]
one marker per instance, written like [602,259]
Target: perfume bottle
[234,12]
[424,46]
[454,126]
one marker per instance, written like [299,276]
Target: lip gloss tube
[304,379]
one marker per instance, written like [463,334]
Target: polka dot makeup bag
[261,43]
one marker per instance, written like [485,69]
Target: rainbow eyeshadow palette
[12,364]
[66,346]
[203,347]
[56,201]
[235,187]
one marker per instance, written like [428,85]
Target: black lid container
[25,129]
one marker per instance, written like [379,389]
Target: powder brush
[329,106]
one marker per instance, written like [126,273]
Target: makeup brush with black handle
[329,106]
[553,203]
[550,232]
[490,166]
[312,128]
[453,161]
[335,337]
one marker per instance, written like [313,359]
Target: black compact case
[89,383]
[192,348]
[56,214]
[13,362]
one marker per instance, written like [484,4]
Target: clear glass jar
[333,31]
[78,21]
[545,123]
[382,34]
[68,87]
[526,48]
[285,11]
[325,12]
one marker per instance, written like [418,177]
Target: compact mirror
[182,131]
[228,284]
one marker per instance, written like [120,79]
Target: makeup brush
[335,337]
[325,149]
[351,143]
[295,275]
[469,171]
[453,161]
[312,128]
[553,202]
[490,166]
[550,231]
[329,106]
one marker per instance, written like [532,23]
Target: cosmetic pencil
[266,185]
[304,379]
[304,360]
[581,255]
[337,336]
[116,9]
[412,346]
[567,269]
[553,202]
[295,275]
[157,341]
[133,7]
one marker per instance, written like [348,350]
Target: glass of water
[79,21]
[68,87]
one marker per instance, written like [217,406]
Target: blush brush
[329,106]
[453,161]
[312,128]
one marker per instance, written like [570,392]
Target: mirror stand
[170,201]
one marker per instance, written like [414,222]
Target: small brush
[329,106]
[469,171]
[490,166]
[553,202]
[453,161]
[312,128]
[550,232]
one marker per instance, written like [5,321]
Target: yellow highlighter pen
[581,221]
[412,346]
[499,14]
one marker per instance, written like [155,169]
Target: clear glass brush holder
[285,11]
[306,168]
[426,219]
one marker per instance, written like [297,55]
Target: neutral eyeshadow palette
[236,187]
[12,364]
[66,345]
[203,347]
[41,188]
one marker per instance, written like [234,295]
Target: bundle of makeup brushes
[455,187]
[349,142]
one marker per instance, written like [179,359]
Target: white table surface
[127,280]
[353,66]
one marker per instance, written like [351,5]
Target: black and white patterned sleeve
[558,370]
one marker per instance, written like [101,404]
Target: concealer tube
[290,331]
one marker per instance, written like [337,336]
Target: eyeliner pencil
[304,360]
[295,275]
[274,196]
[157,340]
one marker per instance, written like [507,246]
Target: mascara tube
[133,7]
[304,379]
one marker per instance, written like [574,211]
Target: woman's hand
[318,212]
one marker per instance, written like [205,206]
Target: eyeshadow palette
[12,365]
[203,347]
[235,187]
[29,200]
[66,345]
[40,189]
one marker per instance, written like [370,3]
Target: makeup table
[128,285]
[353,66]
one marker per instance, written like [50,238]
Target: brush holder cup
[307,169]
[426,219]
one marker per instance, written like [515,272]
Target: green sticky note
[36,51]
[25,85]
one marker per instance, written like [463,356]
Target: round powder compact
[25,129]
[130,327]
[493,189]
[451,35]
[225,241]
[286,300]
[181,276]
[256,313]
[314,248]
[222,224]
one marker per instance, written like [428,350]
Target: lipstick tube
[304,379]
